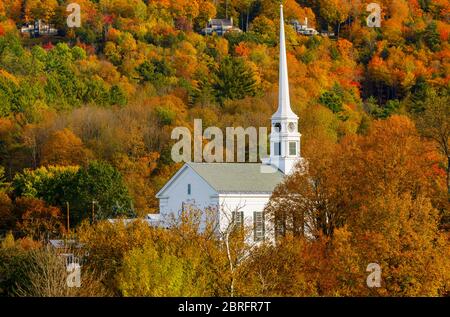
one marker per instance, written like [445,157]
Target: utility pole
[226,9]
[246,24]
[68,217]
[93,209]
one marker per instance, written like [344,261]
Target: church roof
[238,177]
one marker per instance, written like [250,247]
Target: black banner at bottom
[224,306]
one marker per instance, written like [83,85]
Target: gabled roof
[224,22]
[60,244]
[237,177]
[233,177]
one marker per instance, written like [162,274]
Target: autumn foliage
[86,117]
[370,201]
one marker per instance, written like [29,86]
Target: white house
[220,27]
[304,29]
[38,28]
[240,191]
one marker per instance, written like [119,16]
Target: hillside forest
[86,117]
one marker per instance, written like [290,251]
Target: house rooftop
[224,22]
[60,243]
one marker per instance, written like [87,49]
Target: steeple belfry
[284,136]
[284,102]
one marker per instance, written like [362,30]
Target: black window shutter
[255,226]
[258,226]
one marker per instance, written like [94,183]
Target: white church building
[240,191]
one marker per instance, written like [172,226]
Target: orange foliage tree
[7,218]
[36,219]
[64,148]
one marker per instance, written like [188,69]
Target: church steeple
[284,137]
[284,102]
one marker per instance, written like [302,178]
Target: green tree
[3,183]
[49,183]
[165,115]
[431,37]
[101,183]
[381,112]
[98,182]
[332,101]
[155,71]
[117,96]
[146,71]
[233,80]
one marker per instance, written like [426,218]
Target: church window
[292,148]
[277,127]
[189,189]
[238,219]
[277,149]
[258,226]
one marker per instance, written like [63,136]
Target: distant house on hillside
[303,29]
[220,27]
[38,28]
[328,33]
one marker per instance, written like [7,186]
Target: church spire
[284,103]
[285,138]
